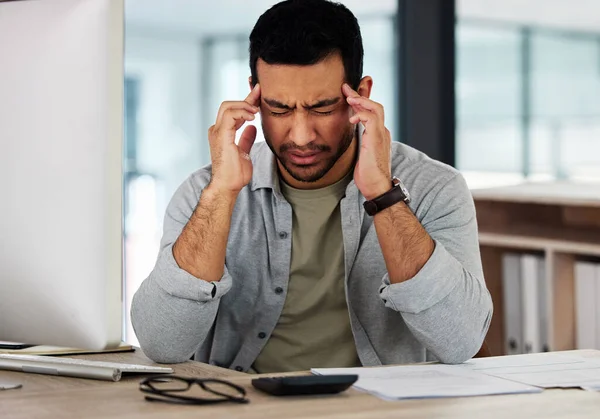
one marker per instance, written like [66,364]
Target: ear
[365,86]
[250,82]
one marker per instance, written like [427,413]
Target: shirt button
[278,290]
[238,368]
[283,235]
[262,335]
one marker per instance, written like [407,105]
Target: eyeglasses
[169,389]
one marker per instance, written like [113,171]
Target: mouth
[304,159]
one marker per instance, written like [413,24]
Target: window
[528,92]
[489,108]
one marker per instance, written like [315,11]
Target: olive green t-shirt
[313,330]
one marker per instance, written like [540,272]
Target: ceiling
[205,17]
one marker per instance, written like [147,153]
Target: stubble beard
[309,174]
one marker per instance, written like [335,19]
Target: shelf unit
[561,220]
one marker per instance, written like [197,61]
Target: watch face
[399,183]
[405,192]
[370,207]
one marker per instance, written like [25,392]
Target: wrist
[378,189]
[216,192]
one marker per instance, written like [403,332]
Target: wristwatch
[397,194]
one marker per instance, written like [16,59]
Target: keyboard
[71,367]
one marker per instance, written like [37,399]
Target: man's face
[305,116]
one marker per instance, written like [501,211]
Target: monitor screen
[61,129]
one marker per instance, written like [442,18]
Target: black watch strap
[393,196]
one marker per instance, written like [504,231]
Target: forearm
[447,308]
[435,278]
[201,247]
[445,303]
[405,244]
[173,310]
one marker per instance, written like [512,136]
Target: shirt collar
[265,173]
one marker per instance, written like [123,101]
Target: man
[306,251]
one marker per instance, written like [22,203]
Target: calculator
[305,384]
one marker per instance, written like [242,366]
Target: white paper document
[546,370]
[427,381]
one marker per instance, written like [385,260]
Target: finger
[365,117]
[357,107]
[349,91]
[247,139]
[254,97]
[388,134]
[366,103]
[235,118]
[234,105]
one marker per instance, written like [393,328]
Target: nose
[302,131]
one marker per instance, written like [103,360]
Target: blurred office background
[527,89]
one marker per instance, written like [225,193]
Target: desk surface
[45,396]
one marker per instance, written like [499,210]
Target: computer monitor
[61,118]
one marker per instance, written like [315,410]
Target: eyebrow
[320,104]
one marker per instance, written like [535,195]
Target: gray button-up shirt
[442,313]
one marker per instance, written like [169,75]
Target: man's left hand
[372,173]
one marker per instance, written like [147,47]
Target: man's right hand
[231,164]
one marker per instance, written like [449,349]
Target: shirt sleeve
[172,312]
[447,305]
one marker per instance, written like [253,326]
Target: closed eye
[279,113]
[321,113]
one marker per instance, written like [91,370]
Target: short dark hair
[304,32]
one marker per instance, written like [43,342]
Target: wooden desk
[57,397]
